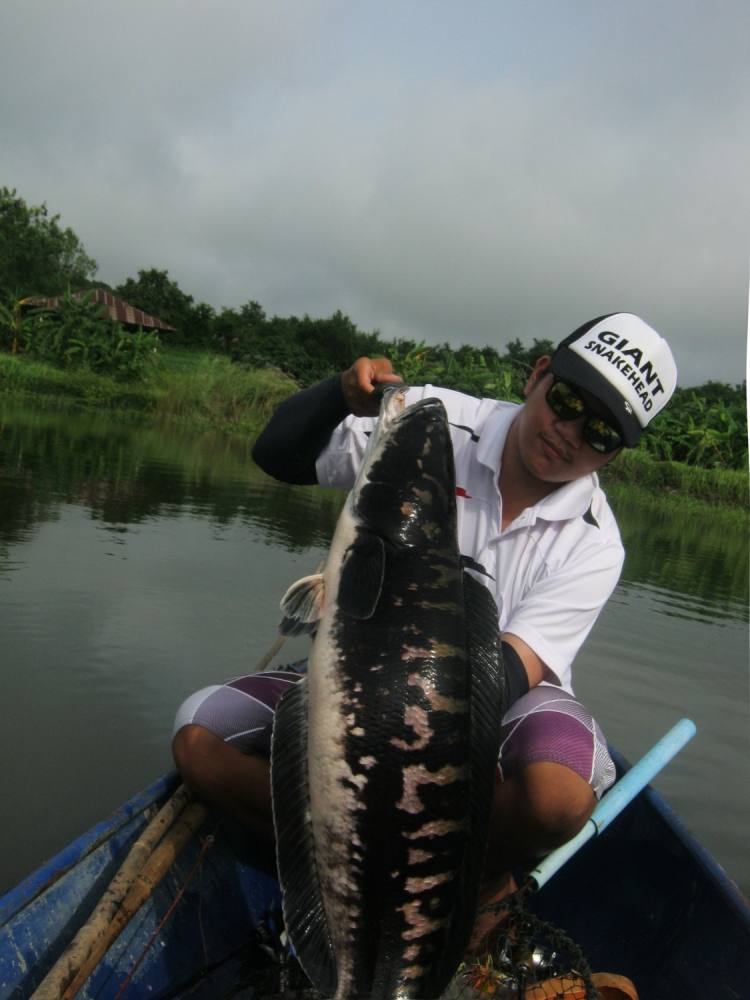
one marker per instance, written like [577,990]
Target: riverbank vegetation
[673,482]
[230,368]
[204,390]
[194,387]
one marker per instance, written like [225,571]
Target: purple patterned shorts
[546,724]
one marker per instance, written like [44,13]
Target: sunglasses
[567,404]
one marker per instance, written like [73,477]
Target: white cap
[625,364]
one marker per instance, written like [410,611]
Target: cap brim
[571,367]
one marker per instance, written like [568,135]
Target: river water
[138,564]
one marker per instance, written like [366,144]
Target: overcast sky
[461,171]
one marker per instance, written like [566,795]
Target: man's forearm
[299,430]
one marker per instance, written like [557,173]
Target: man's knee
[557,801]
[223,776]
[534,811]
[194,749]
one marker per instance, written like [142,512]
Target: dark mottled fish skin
[402,740]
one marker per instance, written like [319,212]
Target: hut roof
[116,309]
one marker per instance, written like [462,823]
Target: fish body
[383,758]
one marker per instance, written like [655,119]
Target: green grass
[202,389]
[217,393]
[19,376]
[207,391]
[674,481]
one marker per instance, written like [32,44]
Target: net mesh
[523,957]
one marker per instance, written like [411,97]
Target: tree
[156,293]
[524,358]
[38,256]
[230,328]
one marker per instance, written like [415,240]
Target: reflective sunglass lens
[600,435]
[566,404]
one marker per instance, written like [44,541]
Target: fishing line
[207,843]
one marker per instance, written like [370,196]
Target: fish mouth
[394,408]
[417,429]
[392,402]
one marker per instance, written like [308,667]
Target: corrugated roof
[116,309]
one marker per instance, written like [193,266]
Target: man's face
[551,449]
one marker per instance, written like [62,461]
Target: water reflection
[703,559]
[676,604]
[124,475]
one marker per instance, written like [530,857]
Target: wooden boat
[644,899]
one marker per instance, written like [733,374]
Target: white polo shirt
[552,570]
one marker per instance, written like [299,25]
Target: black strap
[517,679]
[298,432]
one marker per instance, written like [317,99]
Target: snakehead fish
[383,757]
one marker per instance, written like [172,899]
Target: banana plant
[17,323]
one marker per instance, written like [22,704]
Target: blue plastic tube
[615,800]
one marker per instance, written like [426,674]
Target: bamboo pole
[157,866]
[80,947]
[267,657]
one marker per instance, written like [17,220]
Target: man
[532,518]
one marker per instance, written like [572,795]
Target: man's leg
[222,745]
[533,812]
[553,767]
[236,782]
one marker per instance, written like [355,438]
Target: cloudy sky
[461,171]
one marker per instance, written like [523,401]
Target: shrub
[76,335]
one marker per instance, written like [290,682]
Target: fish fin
[487,706]
[302,605]
[302,900]
[362,573]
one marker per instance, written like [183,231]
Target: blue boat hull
[205,942]
[644,900]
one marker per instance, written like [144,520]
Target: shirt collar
[569,501]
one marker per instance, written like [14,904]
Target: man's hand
[359,382]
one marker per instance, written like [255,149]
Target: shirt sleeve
[557,613]
[337,464]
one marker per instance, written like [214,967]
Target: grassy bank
[635,471]
[205,390]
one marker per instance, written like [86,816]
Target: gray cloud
[442,172]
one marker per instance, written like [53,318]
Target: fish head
[406,488]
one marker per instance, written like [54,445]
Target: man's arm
[550,623]
[525,669]
[302,425]
[299,430]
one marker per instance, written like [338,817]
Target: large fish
[383,758]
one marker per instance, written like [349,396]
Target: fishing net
[524,957]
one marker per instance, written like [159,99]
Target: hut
[122,312]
